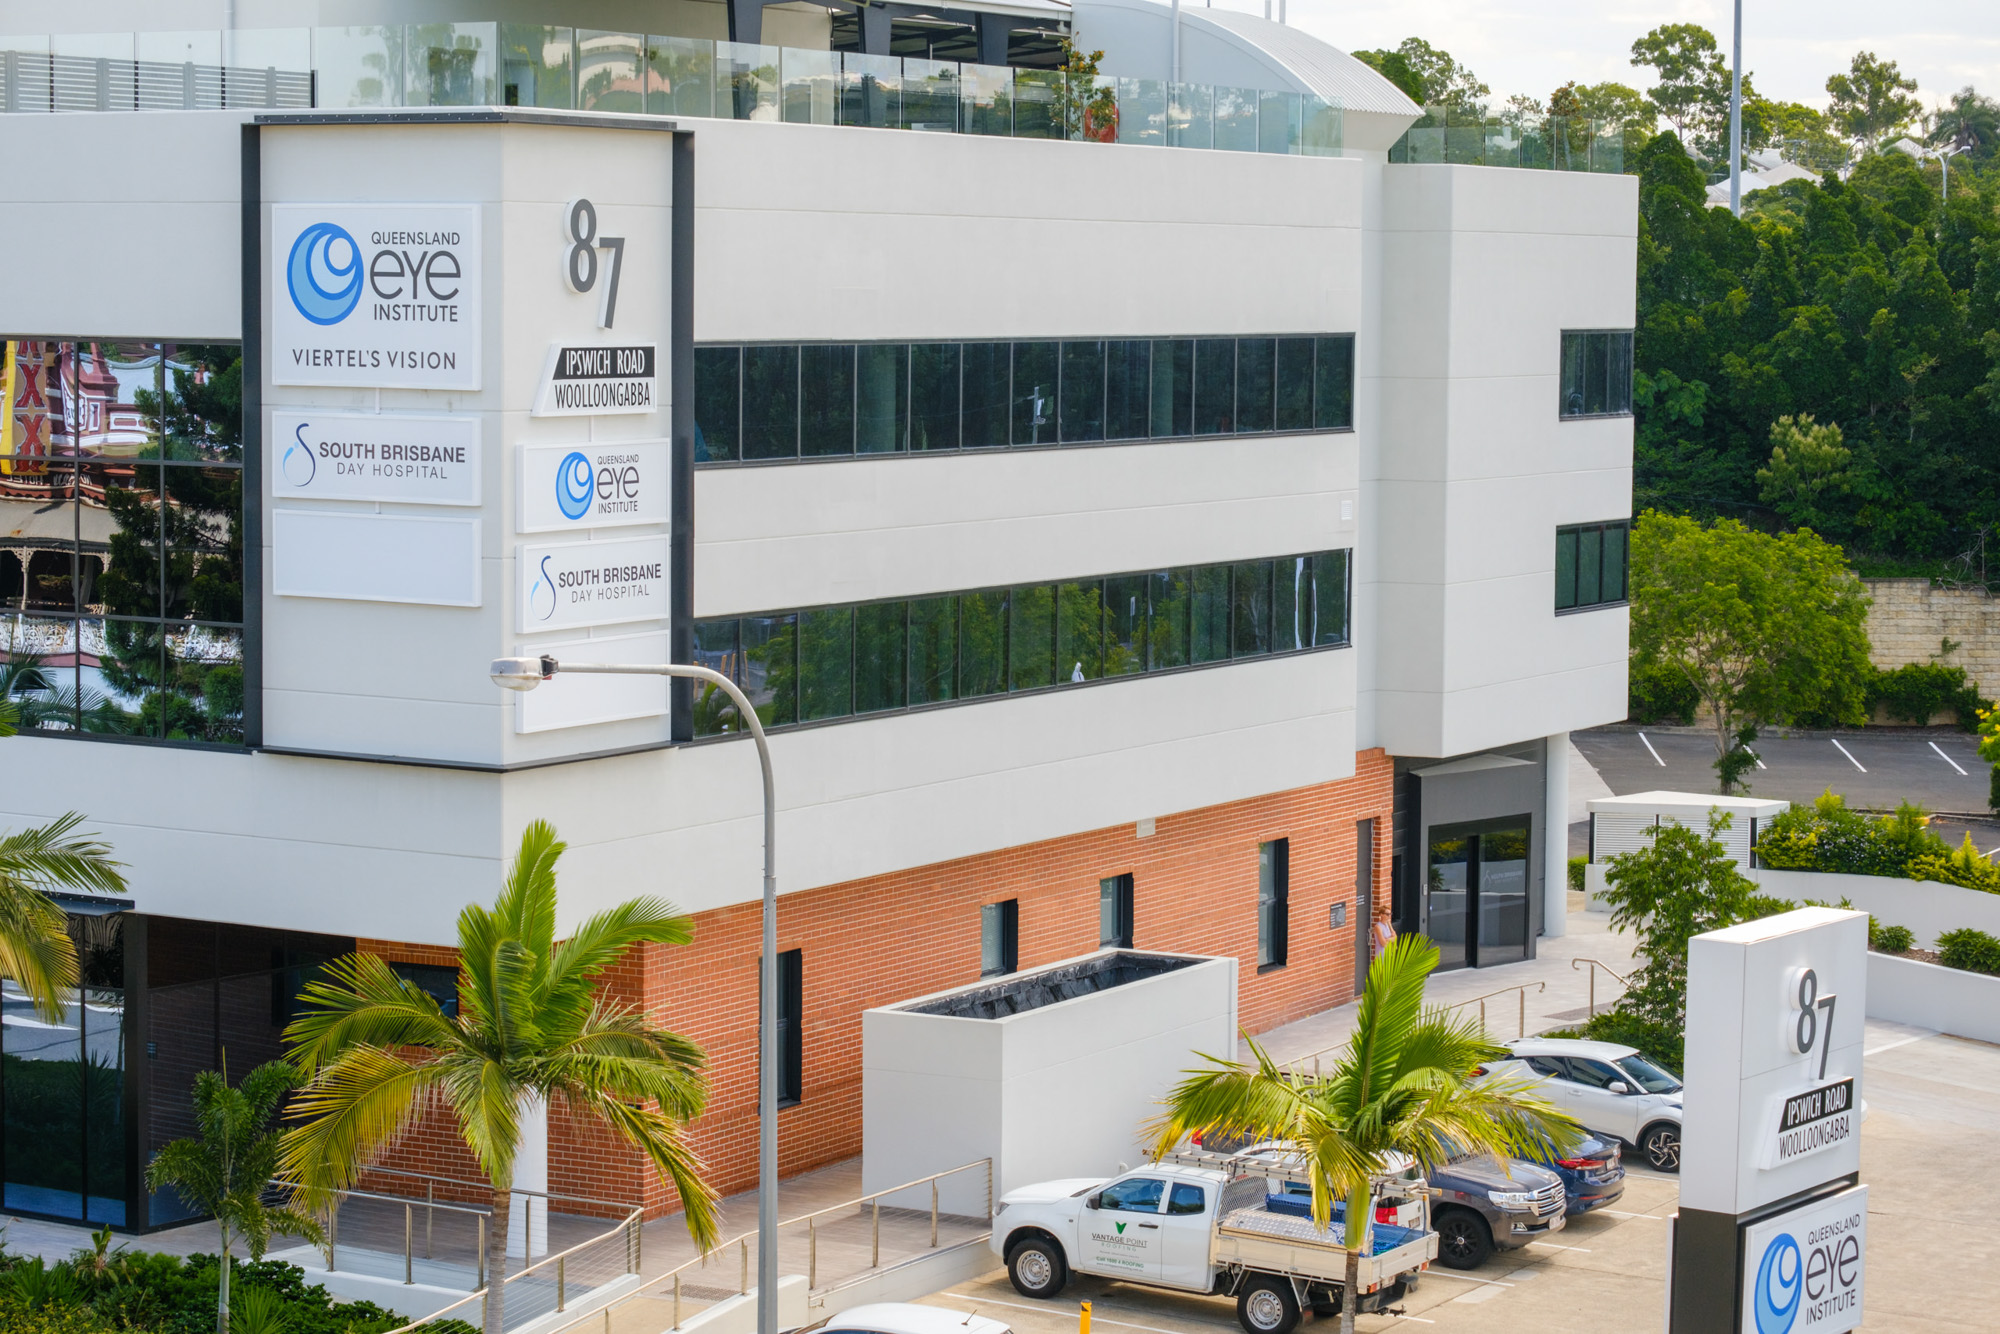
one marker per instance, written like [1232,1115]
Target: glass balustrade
[1468,137]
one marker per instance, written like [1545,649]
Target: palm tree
[376,1050]
[226,1171]
[35,948]
[1401,1087]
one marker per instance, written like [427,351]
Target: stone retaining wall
[1910,617]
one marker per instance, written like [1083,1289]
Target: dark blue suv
[1592,1174]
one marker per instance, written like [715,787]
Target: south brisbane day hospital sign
[376,295]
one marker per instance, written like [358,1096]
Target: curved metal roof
[1327,70]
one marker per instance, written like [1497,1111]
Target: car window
[1596,1074]
[1643,1074]
[1187,1199]
[1135,1195]
[1548,1065]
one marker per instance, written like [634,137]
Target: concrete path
[1557,991]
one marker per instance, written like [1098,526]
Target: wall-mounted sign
[1811,1121]
[381,295]
[363,557]
[597,380]
[1803,1269]
[593,486]
[569,700]
[387,458]
[580,266]
[581,584]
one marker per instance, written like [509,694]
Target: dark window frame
[1611,536]
[791,1027]
[1322,379]
[1274,904]
[1579,346]
[1004,918]
[1120,888]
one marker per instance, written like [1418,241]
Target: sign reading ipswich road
[594,381]
[375,295]
[384,457]
[1811,1121]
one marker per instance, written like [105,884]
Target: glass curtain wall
[121,539]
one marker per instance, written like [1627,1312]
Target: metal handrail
[742,1242]
[487,1187]
[1596,964]
[1480,1001]
[631,1220]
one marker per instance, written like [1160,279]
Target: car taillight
[1477,1071]
[1580,1164]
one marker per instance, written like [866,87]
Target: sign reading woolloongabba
[1770,1140]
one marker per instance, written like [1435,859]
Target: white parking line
[1899,1042]
[1843,750]
[1947,759]
[1753,755]
[1558,1246]
[1656,754]
[1446,1273]
[1095,1319]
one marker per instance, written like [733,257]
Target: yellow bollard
[1083,1320]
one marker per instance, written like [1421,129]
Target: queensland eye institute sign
[376,295]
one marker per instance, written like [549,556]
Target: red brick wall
[888,938]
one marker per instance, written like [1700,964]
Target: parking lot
[1930,1266]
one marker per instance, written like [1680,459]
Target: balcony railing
[41,81]
[1548,143]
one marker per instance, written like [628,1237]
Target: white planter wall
[1061,1091]
[1950,1000]
[1927,907]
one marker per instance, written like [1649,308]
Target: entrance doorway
[1476,893]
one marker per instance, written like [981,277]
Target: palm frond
[527,903]
[361,1001]
[598,943]
[487,1103]
[47,857]
[1231,1098]
[659,1138]
[1391,1001]
[353,1106]
[35,948]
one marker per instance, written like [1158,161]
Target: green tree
[1682,884]
[1968,122]
[1766,628]
[376,1050]
[1401,1087]
[1615,103]
[1439,81]
[1689,67]
[1871,101]
[226,1169]
[1808,469]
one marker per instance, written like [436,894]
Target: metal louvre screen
[1616,833]
[33,81]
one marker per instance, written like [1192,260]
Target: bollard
[1524,1012]
[430,1214]
[1083,1320]
[743,1279]
[409,1236]
[333,1234]
[482,1251]
[933,1213]
[559,1281]
[812,1252]
[677,1301]
[875,1259]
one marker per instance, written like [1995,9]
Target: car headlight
[1511,1199]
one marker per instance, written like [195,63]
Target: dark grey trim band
[590,120]
[680,392]
[251,430]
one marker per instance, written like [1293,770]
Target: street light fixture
[527,673]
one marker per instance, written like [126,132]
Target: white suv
[1611,1089]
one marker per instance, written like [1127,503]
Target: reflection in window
[121,499]
[1591,564]
[825,663]
[764,402]
[1596,373]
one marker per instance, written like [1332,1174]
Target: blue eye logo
[576,485]
[323,273]
[1778,1285]
[298,463]
[542,593]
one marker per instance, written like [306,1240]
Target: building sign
[581,584]
[1812,1121]
[363,557]
[380,295]
[383,457]
[596,380]
[1803,1269]
[594,486]
[571,700]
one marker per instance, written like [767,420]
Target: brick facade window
[1274,892]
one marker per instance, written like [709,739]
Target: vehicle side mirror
[1618,1086]
[1094,1202]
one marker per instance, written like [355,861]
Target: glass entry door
[1476,895]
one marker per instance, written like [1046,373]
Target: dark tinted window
[1138,1195]
[986,395]
[1214,386]
[1333,383]
[882,398]
[934,404]
[879,657]
[826,399]
[1127,390]
[770,402]
[1255,371]
[1294,384]
[1173,387]
[1186,1199]
[1082,391]
[1210,614]
[1035,374]
[1596,373]
[1591,565]
[982,643]
[717,402]
[1032,637]
[826,663]
[933,650]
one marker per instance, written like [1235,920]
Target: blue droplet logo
[1779,1276]
[542,594]
[323,273]
[297,462]
[576,485]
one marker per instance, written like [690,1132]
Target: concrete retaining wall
[1927,907]
[1950,1000]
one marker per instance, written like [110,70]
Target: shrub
[1657,693]
[1917,691]
[1576,865]
[1890,939]
[1829,837]
[1974,951]
[1963,865]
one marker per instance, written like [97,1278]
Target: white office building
[1181,509]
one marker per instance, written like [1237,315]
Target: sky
[1789,46]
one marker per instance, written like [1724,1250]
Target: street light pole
[1736,119]
[526,674]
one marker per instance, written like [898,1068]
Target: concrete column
[528,1218]
[1555,839]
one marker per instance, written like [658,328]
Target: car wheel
[1662,1146]
[1464,1240]
[1036,1269]
[1267,1306]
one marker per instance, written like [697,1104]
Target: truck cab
[1152,1225]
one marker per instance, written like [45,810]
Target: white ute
[1209,1224]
